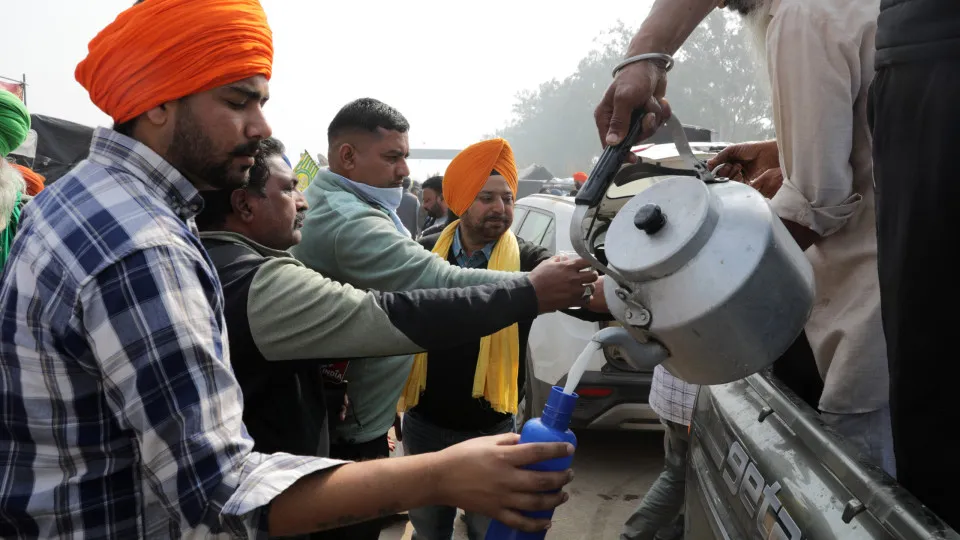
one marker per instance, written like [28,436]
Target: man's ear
[240,202]
[347,154]
[161,114]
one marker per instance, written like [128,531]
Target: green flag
[305,170]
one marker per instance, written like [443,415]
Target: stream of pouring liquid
[576,372]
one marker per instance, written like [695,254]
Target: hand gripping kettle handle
[609,164]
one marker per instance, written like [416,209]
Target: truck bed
[763,465]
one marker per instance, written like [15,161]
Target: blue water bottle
[552,426]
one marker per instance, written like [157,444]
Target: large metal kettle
[700,270]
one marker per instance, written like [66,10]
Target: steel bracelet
[665,58]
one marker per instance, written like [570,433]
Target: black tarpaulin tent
[59,145]
[532,179]
[535,172]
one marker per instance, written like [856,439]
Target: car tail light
[615,356]
[593,391]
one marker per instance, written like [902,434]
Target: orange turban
[470,169]
[579,177]
[163,50]
[35,181]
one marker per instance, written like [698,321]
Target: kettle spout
[640,356]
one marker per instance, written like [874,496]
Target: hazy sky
[452,68]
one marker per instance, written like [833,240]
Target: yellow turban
[470,169]
[163,50]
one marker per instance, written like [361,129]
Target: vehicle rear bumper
[632,416]
[624,407]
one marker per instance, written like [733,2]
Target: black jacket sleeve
[442,318]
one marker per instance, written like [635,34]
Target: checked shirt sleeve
[154,321]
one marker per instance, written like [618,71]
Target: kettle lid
[662,228]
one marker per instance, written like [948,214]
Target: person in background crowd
[283,318]
[351,233]
[578,180]
[470,390]
[14,126]
[409,210]
[12,201]
[822,163]
[659,514]
[435,206]
[127,346]
[34,181]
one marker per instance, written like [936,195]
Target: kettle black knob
[649,218]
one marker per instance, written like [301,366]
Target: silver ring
[588,290]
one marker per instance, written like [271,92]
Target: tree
[715,84]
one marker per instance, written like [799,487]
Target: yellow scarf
[499,360]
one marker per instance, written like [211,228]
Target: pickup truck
[762,464]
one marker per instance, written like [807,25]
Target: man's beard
[744,7]
[756,22]
[194,154]
[755,15]
[11,183]
[481,228]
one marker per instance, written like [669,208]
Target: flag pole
[21,83]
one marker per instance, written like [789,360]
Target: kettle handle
[675,128]
[612,159]
[609,164]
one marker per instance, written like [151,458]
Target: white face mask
[388,198]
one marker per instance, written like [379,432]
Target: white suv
[612,394]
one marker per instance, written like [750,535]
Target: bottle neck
[554,419]
[558,410]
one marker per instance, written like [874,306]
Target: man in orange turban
[579,178]
[189,79]
[467,391]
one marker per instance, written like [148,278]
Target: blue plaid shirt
[121,417]
[478,259]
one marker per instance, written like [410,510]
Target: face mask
[388,198]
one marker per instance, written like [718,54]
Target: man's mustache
[298,221]
[250,149]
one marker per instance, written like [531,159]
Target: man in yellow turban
[467,391]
